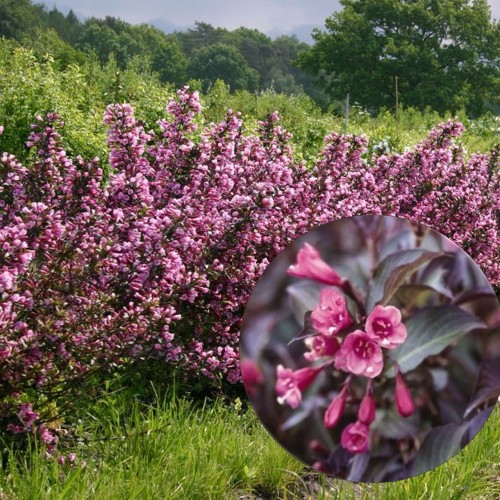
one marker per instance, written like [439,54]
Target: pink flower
[290,384]
[47,436]
[27,415]
[360,355]
[404,400]
[331,314]
[251,375]
[7,281]
[335,410]
[354,438]
[311,266]
[384,326]
[366,413]
[320,346]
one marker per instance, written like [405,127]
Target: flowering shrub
[158,260]
[374,378]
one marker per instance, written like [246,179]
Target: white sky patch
[269,16]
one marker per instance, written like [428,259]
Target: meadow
[175,448]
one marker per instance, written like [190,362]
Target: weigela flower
[360,355]
[331,314]
[290,384]
[321,346]
[334,411]
[354,437]
[404,400]
[384,326]
[367,409]
[310,265]
[251,375]
[27,415]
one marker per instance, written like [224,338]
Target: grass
[175,450]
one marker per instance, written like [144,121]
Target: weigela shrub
[160,258]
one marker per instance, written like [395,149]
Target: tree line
[441,54]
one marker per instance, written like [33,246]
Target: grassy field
[173,449]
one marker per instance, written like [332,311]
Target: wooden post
[346,114]
[397,108]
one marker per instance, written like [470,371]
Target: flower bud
[404,400]
[366,413]
[336,409]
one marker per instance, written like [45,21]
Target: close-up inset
[366,348]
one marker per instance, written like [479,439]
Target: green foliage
[19,16]
[33,83]
[221,61]
[444,53]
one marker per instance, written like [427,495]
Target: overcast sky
[273,17]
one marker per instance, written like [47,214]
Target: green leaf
[439,445]
[429,332]
[393,271]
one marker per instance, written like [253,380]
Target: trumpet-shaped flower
[321,346]
[290,384]
[310,265]
[354,437]
[384,326]
[360,355]
[331,314]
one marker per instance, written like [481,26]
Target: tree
[17,17]
[224,62]
[445,54]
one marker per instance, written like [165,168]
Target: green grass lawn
[176,450]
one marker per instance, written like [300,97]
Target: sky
[273,17]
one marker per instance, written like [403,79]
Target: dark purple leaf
[487,384]
[393,271]
[392,425]
[429,332]
[420,296]
[439,445]
[307,331]
[358,466]
[304,297]
[476,424]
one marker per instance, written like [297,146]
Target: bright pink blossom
[320,346]
[335,410]
[290,384]
[404,400]
[310,265]
[354,437]
[384,326]
[331,314]
[47,436]
[360,355]
[27,415]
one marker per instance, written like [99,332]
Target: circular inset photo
[370,349]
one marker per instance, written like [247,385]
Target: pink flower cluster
[159,257]
[339,342]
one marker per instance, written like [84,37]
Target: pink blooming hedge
[159,259]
